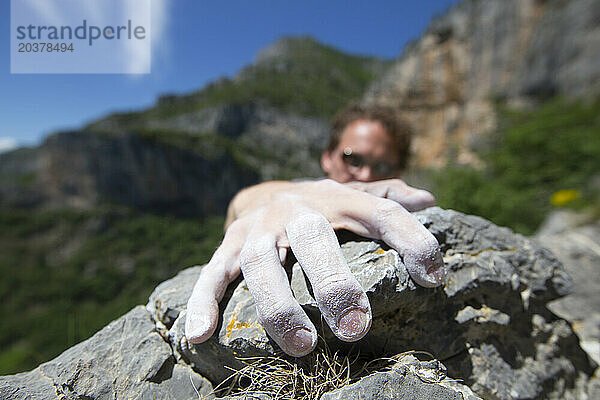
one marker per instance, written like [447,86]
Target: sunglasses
[378,168]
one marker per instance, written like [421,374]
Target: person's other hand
[303,217]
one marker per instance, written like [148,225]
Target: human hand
[303,217]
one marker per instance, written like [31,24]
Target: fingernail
[299,342]
[438,273]
[353,324]
[437,270]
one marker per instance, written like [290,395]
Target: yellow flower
[564,196]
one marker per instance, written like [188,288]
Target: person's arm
[269,219]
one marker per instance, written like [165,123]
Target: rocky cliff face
[253,128]
[518,51]
[489,324]
[83,170]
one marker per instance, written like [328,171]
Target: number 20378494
[41,47]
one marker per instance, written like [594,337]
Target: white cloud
[7,144]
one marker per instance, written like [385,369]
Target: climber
[366,144]
[367,151]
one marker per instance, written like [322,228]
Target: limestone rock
[171,296]
[520,51]
[82,169]
[489,322]
[409,379]
[167,305]
[489,325]
[575,240]
[127,359]
[255,127]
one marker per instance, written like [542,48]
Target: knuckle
[328,183]
[285,198]
[275,310]
[387,209]
[277,316]
[335,282]
[309,231]
[328,186]
[236,228]
[396,182]
[425,245]
[308,223]
[255,253]
[338,295]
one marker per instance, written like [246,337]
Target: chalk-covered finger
[417,246]
[278,311]
[341,299]
[203,305]
[385,219]
[412,199]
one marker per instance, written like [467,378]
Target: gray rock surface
[409,379]
[575,240]
[127,359]
[489,325]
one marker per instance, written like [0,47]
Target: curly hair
[398,129]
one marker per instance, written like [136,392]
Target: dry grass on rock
[307,378]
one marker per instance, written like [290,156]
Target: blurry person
[366,144]
[368,150]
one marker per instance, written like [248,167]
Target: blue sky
[196,42]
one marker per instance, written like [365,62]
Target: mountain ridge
[282,100]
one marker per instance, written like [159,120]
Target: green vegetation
[66,274]
[543,159]
[246,152]
[208,145]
